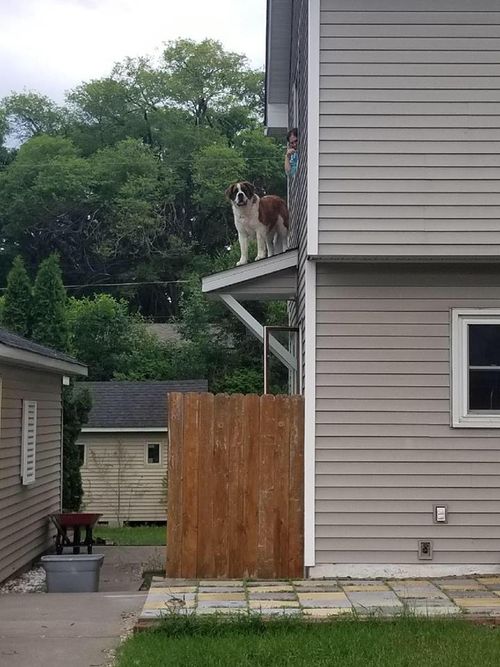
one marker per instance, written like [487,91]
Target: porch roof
[274,278]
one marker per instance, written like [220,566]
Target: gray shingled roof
[134,404]
[18,342]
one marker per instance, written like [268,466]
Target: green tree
[55,211]
[18,299]
[129,187]
[76,407]
[50,324]
[101,331]
[100,115]
[264,161]
[149,358]
[30,114]
[207,81]
[127,182]
[214,168]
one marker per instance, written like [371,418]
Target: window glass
[154,453]
[484,390]
[484,345]
[484,366]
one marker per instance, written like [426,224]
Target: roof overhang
[135,429]
[278,39]
[14,355]
[271,279]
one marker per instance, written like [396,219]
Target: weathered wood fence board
[235,486]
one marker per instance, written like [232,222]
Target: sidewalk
[40,629]
[477,597]
[60,629]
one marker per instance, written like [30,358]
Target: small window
[476,368]
[28,442]
[153,453]
[82,453]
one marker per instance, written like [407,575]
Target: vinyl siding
[385,451]
[24,510]
[118,482]
[297,186]
[409,128]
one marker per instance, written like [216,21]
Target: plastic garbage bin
[73,573]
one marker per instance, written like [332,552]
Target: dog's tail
[284,214]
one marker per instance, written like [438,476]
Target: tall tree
[16,314]
[100,333]
[56,209]
[76,407]
[207,81]
[50,324]
[30,114]
[127,183]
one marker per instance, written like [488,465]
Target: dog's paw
[260,257]
[241,262]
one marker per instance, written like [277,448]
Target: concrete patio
[472,597]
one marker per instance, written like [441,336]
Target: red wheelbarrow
[75,522]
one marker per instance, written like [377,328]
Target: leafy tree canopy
[18,299]
[126,181]
[30,114]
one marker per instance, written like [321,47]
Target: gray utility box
[73,573]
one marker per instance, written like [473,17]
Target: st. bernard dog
[263,217]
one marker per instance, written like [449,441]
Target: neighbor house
[123,449]
[393,277]
[31,380]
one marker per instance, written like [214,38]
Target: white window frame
[461,417]
[28,446]
[159,453]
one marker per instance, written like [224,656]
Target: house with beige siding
[31,380]
[123,449]
[393,277]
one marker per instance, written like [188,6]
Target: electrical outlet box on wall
[425,549]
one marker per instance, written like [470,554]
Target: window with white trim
[28,442]
[153,453]
[476,367]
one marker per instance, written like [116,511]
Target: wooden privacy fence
[235,486]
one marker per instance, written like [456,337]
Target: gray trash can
[73,573]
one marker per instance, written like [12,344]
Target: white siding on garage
[117,480]
[385,451]
[24,510]
[409,128]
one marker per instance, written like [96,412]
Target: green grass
[132,535]
[251,642]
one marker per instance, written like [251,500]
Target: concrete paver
[474,597]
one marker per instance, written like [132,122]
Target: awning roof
[271,279]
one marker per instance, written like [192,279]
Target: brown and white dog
[263,217]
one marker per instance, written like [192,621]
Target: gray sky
[53,45]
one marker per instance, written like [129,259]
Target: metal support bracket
[257,330]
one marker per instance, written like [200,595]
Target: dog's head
[240,193]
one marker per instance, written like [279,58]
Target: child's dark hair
[294,131]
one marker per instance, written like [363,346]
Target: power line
[103,285]
[184,160]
